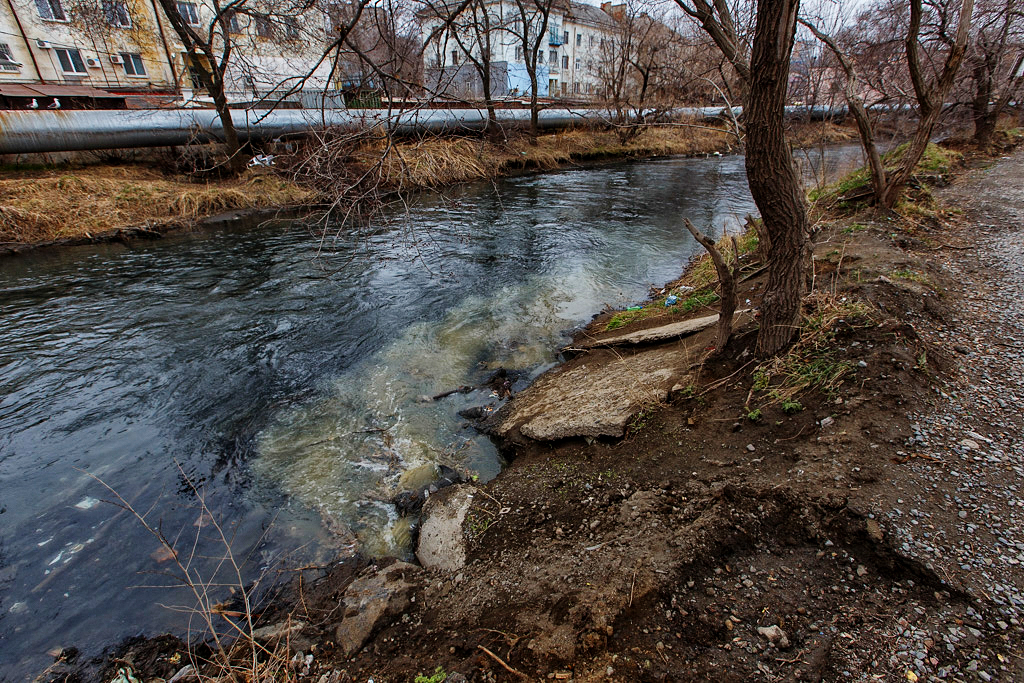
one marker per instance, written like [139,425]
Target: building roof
[588,14]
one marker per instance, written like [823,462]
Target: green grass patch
[700,300]
[439,676]
[912,275]
[814,361]
[936,162]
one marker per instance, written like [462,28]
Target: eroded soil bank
[851,511]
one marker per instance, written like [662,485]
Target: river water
[249,381]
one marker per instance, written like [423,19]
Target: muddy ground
[868,531]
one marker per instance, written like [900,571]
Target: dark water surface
[281,384]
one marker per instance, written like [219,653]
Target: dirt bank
[103,202]
[850,511]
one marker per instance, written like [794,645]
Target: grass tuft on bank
[851,192]
[435,162]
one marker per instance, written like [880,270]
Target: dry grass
[40,206]
[43,206]
[440,161]
[813,362]
[816,133]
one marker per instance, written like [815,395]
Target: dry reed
[91,200]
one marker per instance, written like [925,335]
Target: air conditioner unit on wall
[92,62]
[42,44]
[116,59]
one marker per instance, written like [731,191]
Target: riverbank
[848,507]
[95,203]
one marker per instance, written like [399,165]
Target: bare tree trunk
[236,160]
[865,129]
[930,97]
[772,175]
[727,280]
[985,118]
[534,113]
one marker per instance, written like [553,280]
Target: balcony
[555,38]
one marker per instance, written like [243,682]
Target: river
[247,380]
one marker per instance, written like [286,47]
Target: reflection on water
[290,387]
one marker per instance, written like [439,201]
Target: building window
[231,21]
[577,65]
[51,9]
[540,56]
[188,12]
[591,41]
[554,58]
[116,13]
[579,39]
[519,52]
[7,62]
[565,37]
[576,88]
[565,61]
[70,61]
[133,64]
[264,29]
[455,57]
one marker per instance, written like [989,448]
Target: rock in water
[442,545]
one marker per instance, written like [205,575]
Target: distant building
[58,50]
[103,53]
[567,63]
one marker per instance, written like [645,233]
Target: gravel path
[961,510]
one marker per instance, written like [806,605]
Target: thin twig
[499,660]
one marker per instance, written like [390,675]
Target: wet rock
[411,502]
[475,413]
[370,600]
[441,543]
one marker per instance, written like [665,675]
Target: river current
[254,381]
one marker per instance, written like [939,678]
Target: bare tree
[643,70]
[772,175]
[727,24]
[530,29]
[858,108]
[210,46]
[931,73]
[995,60]
[475,33]
[930,93]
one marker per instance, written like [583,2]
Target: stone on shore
[371,599]
[442,544]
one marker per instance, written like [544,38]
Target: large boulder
[442,544]
[370,600]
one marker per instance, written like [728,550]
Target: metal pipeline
[23,132]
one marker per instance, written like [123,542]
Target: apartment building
[64,47]
[98,53]
[567,63]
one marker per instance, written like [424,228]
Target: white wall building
[566,64]
[82,49]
